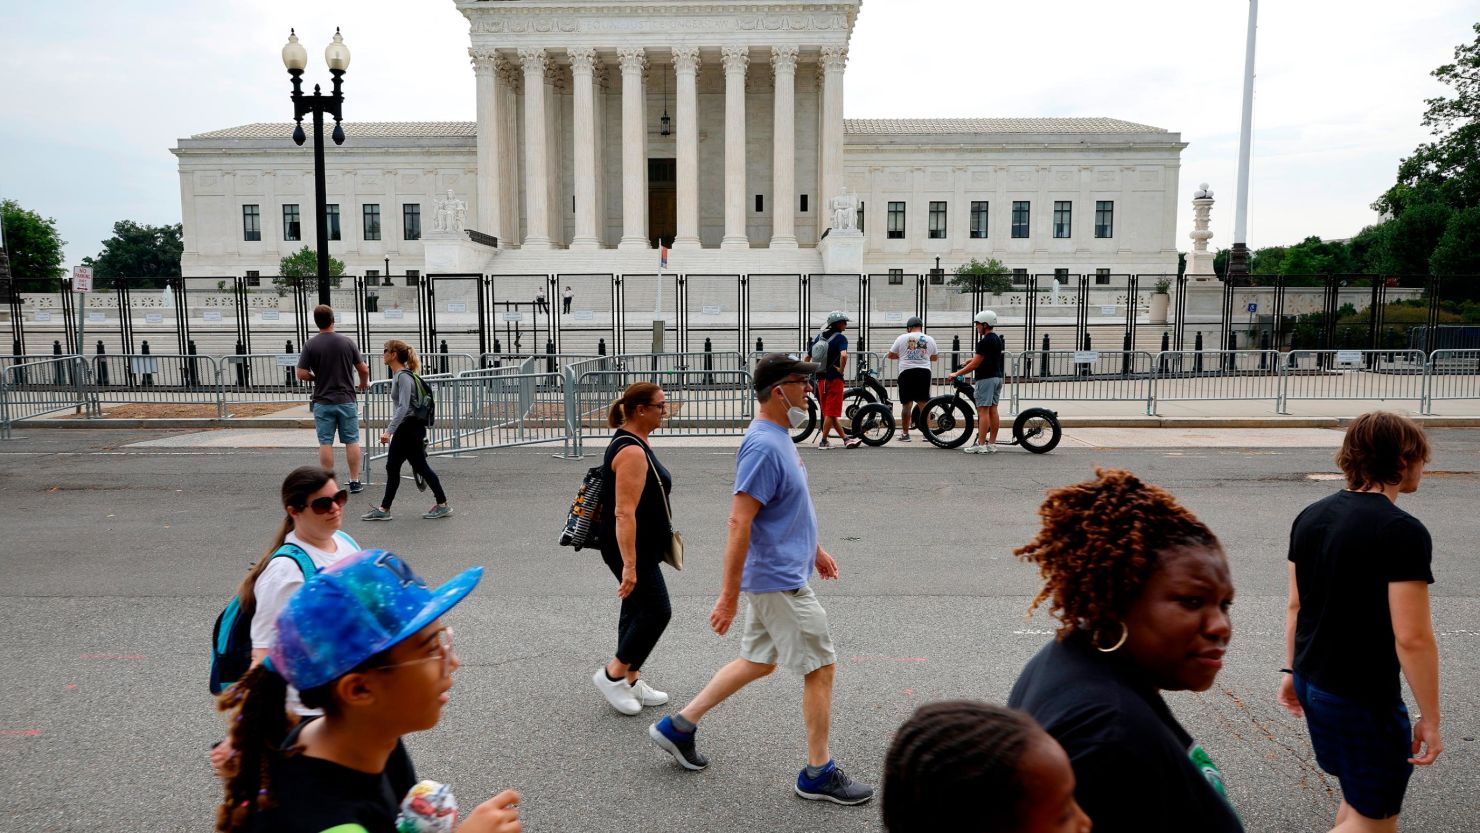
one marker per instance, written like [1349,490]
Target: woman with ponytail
[365,643]
[312,507]
[406,435]
[635,534]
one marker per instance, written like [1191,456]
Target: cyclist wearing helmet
[830,378]
[916,352]
[988,365]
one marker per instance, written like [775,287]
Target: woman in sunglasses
[313,505]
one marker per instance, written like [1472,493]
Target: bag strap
[648,452]
[300,557]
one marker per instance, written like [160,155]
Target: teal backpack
[231,641]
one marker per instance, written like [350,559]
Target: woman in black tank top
[635,532]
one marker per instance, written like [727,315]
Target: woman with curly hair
[1141,590]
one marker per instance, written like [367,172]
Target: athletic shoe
[438,511]
[904,438]
[355,487]
[616,692]
[824,446]
[991,448]
[678,744]
[833,785]
[970,449]
[852,442]
[647,695]
[376,514]
[985,448]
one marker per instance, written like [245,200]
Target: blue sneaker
[833,785]
[678,744]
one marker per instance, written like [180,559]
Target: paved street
[124,545]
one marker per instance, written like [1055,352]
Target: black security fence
[593,314]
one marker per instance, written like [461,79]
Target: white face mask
[794,415]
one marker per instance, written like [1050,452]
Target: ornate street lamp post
[295,58]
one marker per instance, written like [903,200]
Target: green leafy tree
[1411,239]
[1220,263]
[982,275]
[304,264]
[138,251]
[34,248]
[1266,261]
[1457,256]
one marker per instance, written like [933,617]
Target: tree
[34,248]
[1457,256]
[1411,239]
[304,263]
[982,276]
[138,251]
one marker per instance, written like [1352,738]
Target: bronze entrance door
[662,201]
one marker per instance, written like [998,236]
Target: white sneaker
[983,449]
[647,695]
[616,692]
[989,448]
[970,449]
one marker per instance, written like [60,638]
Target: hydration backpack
[231,640]
[423,404]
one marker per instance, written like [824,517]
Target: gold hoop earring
[1125,633]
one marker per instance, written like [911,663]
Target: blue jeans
[344,418]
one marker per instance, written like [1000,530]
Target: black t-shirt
[990,347]
[653,529]
[1347,548]
[314,795]
[332,359]
[1137,769]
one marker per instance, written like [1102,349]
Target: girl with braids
[313,509]
[364,641]
[966,767]
[406,435]
[1142,591]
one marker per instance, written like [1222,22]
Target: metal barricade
[548,362]
[261,379]
[1080,376]
[1451,374]
[155,379]
[1202,375]
[702,401]
[32,389]
[450,364]
[1352,374]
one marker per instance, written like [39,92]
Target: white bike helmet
[835,316]
[987,317]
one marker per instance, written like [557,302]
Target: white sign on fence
[711,309]
[269,315]
[287,360]
[395,314]
[153,318]
[144,364]
[95,317]
[584,315]
[1086,356]
[43,316]
[1110,310]
[515,316]
[1348,356]
[211,315]
[82,278]
[893,317]
[457,307]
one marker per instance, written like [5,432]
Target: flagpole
[658,322]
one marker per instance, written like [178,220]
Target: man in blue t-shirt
[769,555]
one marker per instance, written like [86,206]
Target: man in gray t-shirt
[331,362]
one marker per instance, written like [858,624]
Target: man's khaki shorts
[787,628]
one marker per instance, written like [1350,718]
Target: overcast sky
[95,92]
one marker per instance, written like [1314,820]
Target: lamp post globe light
[295,58]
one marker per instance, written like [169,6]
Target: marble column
[536,158]
[506,94]
[686,68]
[582,62]
[834,59]
[484,70]
[784,149]
[736,59]
[633,61]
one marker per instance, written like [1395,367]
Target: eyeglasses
[662,406]
[798,380]
[325,505]
[444,653]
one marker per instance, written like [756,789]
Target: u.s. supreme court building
[604,128]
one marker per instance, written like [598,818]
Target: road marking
[887,659]
[20,732]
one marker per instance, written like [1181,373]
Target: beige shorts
[787,628]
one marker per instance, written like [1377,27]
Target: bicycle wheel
[854,399]
[1037,429]
[874,424]
[800,435]
[947,422]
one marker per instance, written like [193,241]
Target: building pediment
[566,23]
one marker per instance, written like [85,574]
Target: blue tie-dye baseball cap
[353,610]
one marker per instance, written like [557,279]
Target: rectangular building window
[978,219]
[1063,217]
[860,215]
[372,277]
[937,276]
[804,203]
[251,222]
[895,230]
[1102,277]
[896,277]
[331,218]
[1061,276]
[1105,218]
[937,220]
[372,221]
[760,203]
[1020,277]
[1020,218]
[254,277]
[411,221]
[291,231]
[413,277]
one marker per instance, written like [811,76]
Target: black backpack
[423,403]
[231,640]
